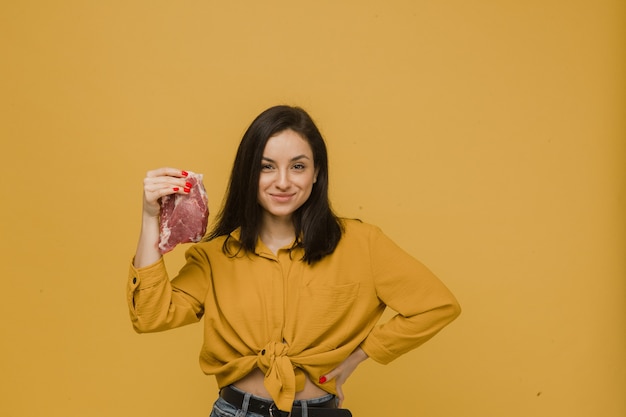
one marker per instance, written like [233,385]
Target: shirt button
[134,280]
[263,352]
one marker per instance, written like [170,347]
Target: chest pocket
[324,312]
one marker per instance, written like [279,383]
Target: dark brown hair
[318,229]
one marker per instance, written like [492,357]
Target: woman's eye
[299,167]
[266,167]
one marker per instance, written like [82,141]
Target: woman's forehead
[287,144]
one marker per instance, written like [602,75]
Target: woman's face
[287,175]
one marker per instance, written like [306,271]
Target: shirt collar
[262,250]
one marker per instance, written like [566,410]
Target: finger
[155,192]
[331,375]
[326,378]
[335,373]
[154,183]
[167,171]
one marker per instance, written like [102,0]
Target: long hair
[318,230]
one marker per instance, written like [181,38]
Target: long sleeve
[156,304]
[423,304]
[289,319]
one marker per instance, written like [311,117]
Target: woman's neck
[277,233]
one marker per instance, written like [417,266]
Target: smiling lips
[282,198]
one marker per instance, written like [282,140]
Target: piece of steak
[184,217]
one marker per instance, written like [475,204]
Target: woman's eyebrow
[295,158]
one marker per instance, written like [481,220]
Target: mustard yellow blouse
[289,318]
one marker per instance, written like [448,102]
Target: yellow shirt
[288,318]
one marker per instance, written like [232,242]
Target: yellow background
[486,137]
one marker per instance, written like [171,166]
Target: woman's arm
[158,183]
[154,303]
[424,305]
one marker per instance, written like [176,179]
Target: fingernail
[185,173]
[188,184]
[322,379]
[186,190]
[175,188]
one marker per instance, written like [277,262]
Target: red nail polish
[186,190]
[175,188]
[185,173]
[322,379]
[188,184]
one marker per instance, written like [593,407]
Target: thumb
[340,396]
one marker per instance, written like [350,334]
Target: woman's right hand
[159,183]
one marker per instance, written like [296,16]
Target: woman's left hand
[344,370]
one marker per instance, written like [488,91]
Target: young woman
[290,293]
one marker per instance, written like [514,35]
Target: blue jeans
[222,408]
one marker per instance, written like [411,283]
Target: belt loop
[244,405]
[305,410]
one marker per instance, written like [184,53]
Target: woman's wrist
[148,246]
[360,355]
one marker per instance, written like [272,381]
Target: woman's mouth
[282,198]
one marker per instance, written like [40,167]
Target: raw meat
[184,217]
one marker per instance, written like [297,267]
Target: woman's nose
[283,179]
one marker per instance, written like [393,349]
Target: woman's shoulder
[209,247]
[358,228]
[359,238]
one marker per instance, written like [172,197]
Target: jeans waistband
[266,407]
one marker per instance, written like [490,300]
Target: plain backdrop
[487,138]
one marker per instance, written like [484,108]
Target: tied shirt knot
[281,379]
